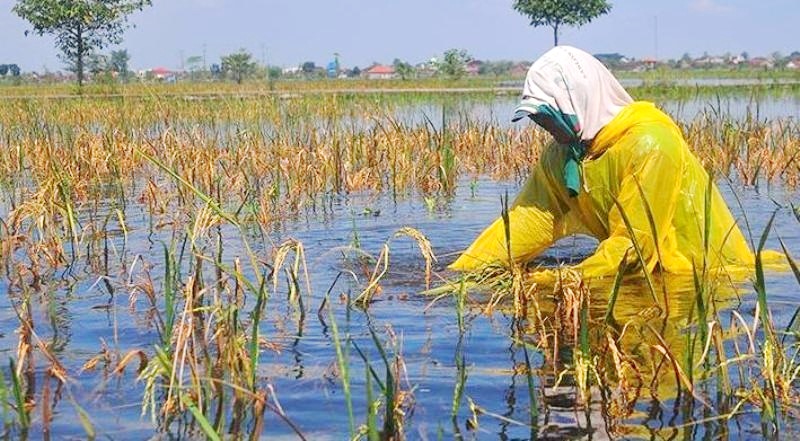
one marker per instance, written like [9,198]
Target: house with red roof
[380,72]
[161,73]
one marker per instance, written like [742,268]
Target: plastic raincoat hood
[639,181]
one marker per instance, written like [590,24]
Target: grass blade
[612,301]
[638,249]
[654,232]
[208,429]
[204,197]
[343,361]
[19,399]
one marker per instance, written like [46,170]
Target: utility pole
[263,55]
[264,61]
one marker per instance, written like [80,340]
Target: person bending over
[613,159]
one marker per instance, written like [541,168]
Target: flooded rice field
[686,110]
[156,306]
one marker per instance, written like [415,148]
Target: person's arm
[658,170]
[535,220]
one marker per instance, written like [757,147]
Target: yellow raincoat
[635,161]
[640,155]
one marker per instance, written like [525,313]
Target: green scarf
[576,149]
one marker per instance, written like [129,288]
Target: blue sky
[288,32]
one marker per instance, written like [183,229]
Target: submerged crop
[232,267]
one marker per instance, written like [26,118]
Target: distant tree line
[83,28]
[113,66]
[11,70]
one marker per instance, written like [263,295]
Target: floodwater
[429,334]
[500,110]
[77,312]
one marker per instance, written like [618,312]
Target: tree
[239,65]
[215,70]
[611,60]
[274,72]
[308,67]
[3,70]
[119,63]
[499,68]
[686,60]
[14,70]
[97,64]
[453,63]
[557,13]
[403,69]
[194,64]
[80,27]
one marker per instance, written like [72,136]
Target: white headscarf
[575,83]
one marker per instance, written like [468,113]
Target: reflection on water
[431,338]
[93,306]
